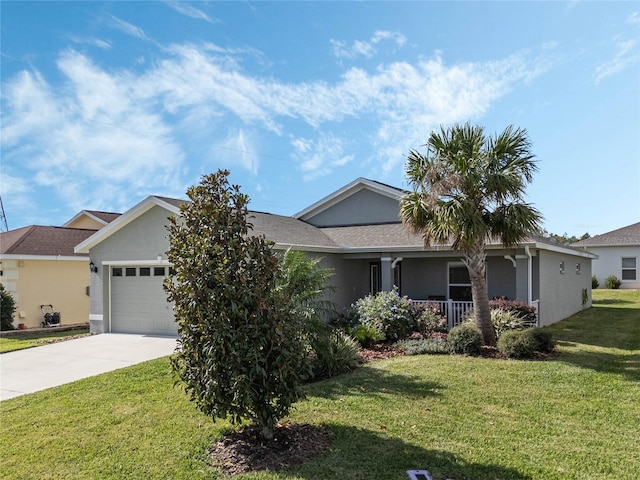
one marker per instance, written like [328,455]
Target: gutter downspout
[530,280]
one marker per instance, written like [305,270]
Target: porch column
[386,274]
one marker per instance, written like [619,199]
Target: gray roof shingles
[629,235]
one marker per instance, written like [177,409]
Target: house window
[374,278]
[145,271]
[459,282]
[130,272]
[158,271]
[629,268]
[116,272]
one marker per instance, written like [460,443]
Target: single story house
[357,232]
[618,254]
[38,266]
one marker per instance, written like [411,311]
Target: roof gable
[170,204]
[91,219]
[361,202]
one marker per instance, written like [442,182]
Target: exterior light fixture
[93,268]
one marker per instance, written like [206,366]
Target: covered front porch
[440,279]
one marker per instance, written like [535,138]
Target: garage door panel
[139,305]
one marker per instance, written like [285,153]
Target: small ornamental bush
[465,339]
[335,353]
[428,319]
[367,335]
[517,344]
[423,345]
[543,340]
[503,321]
[594,282]
[386,312]
[521,309]
[7,309]
[612,282]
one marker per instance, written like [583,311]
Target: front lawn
[574,416]
[28,340]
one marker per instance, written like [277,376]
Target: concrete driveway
[39,368]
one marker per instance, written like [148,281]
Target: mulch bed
[379,352]
[293,444]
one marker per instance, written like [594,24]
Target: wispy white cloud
[190,11]
[96,42]
[118,134]
[626,54]
[366,48]
[320,156]
[634,18]
[126,27]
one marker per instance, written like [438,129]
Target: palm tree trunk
[475,260]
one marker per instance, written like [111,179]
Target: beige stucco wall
[85,222]
[62,283]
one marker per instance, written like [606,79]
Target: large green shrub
[307,285]
[465,339]
[612,282]
[7,309]
[387,313]
[594,282]
[242,350]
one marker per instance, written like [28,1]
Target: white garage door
[138,301]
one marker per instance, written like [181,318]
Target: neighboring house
[618,254]
[38,266]
[357,233]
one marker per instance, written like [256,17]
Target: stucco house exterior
[38,266]
[357,232]
[618,254]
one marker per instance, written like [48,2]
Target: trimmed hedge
[525,343]
[465,339]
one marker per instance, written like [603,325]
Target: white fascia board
[122,221]
[343,193]
[43,257]
[561,249]
[85,214]
[135,263]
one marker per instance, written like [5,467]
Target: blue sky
[105,103]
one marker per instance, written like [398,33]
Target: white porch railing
[454,311]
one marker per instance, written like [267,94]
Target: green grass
[28,340]
[574,416]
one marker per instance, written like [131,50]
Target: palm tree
[467,190]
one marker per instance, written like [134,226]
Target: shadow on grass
[627,366]
[372,382]
[356,454]
[606,327]
[612,301]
